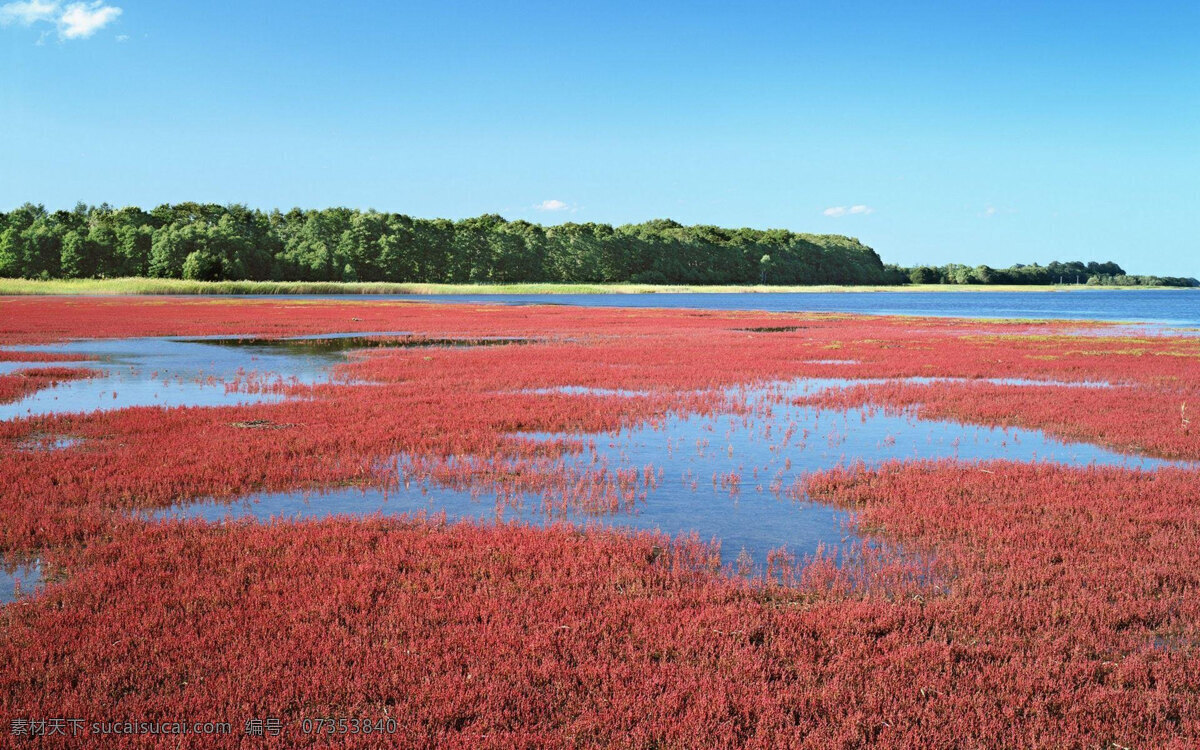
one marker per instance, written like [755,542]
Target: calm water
[19,580]
[1160,307]
[697,456]
[165,372]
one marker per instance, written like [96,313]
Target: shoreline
[148,286]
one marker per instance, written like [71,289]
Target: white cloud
[989,211]
[74,21]
[551,205]
[27,13]
[856,210]
[81,20]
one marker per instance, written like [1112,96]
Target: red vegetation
[1061,610]
[21,383]
[16,355]
[1159,425]
[1064,604]
[1009,605]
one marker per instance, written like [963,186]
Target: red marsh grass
[1053,605]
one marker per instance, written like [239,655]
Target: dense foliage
[212,242]
[1073,272]
[209,242]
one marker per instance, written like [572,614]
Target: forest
[211,242]
[1072,272]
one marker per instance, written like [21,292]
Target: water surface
[1160,307]
[725,478]
[699,458]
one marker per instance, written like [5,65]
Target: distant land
[144,251]
[150,286]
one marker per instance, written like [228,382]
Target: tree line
[1073,272]
[211,242]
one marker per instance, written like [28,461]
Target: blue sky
[977,132]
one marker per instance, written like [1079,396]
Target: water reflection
[199,371]
[1173,309]
[723,477]
[19,580]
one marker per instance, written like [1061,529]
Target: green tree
[203,265]
[75,257]
[923,275]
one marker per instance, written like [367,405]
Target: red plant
[997,604]
[1158,426]
[20,383]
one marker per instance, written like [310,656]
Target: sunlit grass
[182,286]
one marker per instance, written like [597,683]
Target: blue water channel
[1158,307]
[695,457]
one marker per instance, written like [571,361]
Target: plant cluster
[993,604]
[28,380]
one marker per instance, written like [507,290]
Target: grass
[180,286]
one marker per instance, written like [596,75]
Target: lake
[1159,307]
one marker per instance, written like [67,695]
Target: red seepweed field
[990,604]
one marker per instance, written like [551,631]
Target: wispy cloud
[552,205]
[858,210]
[81,20]
[27,13]
[73,20]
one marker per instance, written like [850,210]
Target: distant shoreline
[146,286]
